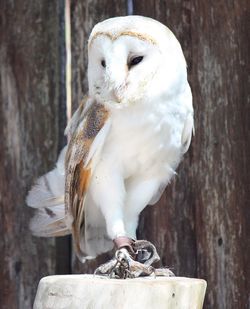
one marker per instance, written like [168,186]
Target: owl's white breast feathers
[149,138]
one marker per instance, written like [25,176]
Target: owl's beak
[117,83]
[116,95]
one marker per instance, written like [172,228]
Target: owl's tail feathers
[47,197]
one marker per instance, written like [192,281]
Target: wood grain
[29,118]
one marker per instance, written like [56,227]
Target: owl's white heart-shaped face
[134,58]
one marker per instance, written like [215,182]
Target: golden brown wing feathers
[78,175]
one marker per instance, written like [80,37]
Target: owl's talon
[106,268]
[125,266]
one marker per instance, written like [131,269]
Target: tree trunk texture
[201,224]
[29,130]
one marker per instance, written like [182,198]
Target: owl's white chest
[145,140]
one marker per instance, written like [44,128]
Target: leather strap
[125,242]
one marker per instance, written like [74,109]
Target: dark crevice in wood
[63,244]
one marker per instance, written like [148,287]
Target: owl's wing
[188,131]
[90,130]
[77,117]
[188,128]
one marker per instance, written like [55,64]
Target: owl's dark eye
[103,63]
[135,61]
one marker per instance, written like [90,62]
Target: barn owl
[126,140]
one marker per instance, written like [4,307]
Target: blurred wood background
[201,224]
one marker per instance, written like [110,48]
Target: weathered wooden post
[95,292]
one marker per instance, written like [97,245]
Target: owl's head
[134,58]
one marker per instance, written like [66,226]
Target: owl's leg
[108,192]
[140,191]
[133,258]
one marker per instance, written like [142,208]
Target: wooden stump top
[88,291]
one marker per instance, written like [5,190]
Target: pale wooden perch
[87,291]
